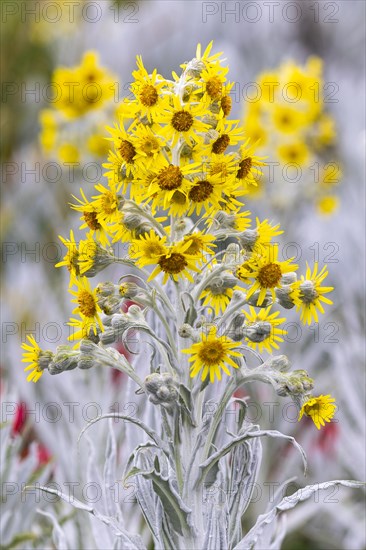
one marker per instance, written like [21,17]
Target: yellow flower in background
[320,409]
[68,153]
[84,87]
[308,294]
[296,152]
[212,355]
[269,320]
[98,145]
[328,205]
[287,119]
[49,128]
[290,121]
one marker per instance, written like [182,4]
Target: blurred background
[45,159]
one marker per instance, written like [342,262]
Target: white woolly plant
[178,170]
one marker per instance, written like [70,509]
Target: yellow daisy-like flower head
[148,91]
[294,153]
[147,249]
[200,243]
[87,308]
[38,359]
[71,258]
[321,409]
[287,119]
[249,168]
[308,294]
[107,203]
[182,121]
[327,205]
[211,355]
[264,323]
[91,218]
[218,298]
[176,262]
[264,272]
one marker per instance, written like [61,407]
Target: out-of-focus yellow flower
[328,204]
[68,153]
[84,87]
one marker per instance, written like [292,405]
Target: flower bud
[308,293]
[161,389]
[64,359]
[279,362]
[110,305]
[105,289]
[289,278]
[248,238]
[283,295]
[128,290]
[258,332]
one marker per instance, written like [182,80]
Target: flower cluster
[84,93]
[289,120]
[177,174]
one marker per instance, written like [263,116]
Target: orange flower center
[221,144]
[201,192]
[269,276]
[182,121]
[170,178]
[149,96]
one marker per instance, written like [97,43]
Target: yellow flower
[69,153]
[206,192]
[287,119]
[266,271]
[327,205]
[308,294]
[149,92]
[227,133]
[35,356]
[274,335]
[148,146]
[249,168]
[124,147]
[48,133]
[325,131]
[294,153]
[166,179]
[95,223]
[71,259]
[182,121]
[83,88]
[106,204]
[87,308]
[200,243]
[176,262]
[147,249]
[98,145]
[217,297]
[321,409]
[211,355]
